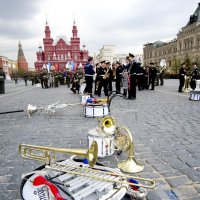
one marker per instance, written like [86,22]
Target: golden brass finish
[86,172]
[124,141]
[43,153]
[107,124]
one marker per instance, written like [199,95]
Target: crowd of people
[188,77]
[126,77]
[109,77]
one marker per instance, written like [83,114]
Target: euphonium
[43,153]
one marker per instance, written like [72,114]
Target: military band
[124,77]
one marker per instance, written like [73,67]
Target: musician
[109,76]
[132,72]
[96,85]
[2,80]
[146,77]
[157,76]
[103,79]
[182,74]
[140,77]
[118,72]
[152,75]
[89,72]
[162,74]
[195,75]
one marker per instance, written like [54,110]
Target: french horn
[124,141]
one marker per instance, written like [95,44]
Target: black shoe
[151,89]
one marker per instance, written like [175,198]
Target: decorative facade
[108,53]
[184,48]
[61,52]
[22,64]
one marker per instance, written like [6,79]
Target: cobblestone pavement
[164,124]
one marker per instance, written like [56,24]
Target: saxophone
[106,75]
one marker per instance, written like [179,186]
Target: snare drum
[84,98]
[105,143]
[96,110]
[195,95]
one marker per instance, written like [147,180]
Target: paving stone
[162,167]
[179,181]
[186,192]
[166,136]
[162,195]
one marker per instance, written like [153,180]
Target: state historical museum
[61,53]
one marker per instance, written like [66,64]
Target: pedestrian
[25,78]
[182,74]
[16,78]
[2,80]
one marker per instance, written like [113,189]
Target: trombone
[87,172]
[42,153]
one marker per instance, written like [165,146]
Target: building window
[62,57]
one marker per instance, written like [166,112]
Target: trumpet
[43,153]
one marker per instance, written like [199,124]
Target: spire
[74,30]
[47,30]
[20,50]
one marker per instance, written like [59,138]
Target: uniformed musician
[132,71]
[195,75]
[152,75]
[102,73]
[89,72]
[97,79]
[182,74]
[109,76]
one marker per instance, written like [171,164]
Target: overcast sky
[128,24]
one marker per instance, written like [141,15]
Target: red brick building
[60,53]
[22,64]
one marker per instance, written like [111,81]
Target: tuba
[48,154]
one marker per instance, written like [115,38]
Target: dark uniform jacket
[89,69]
[119,71]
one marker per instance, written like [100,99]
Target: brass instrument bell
[43,153]
[107,124]
[31,109]
[124,141]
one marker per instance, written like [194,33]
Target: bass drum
[105,143]
[96,110]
